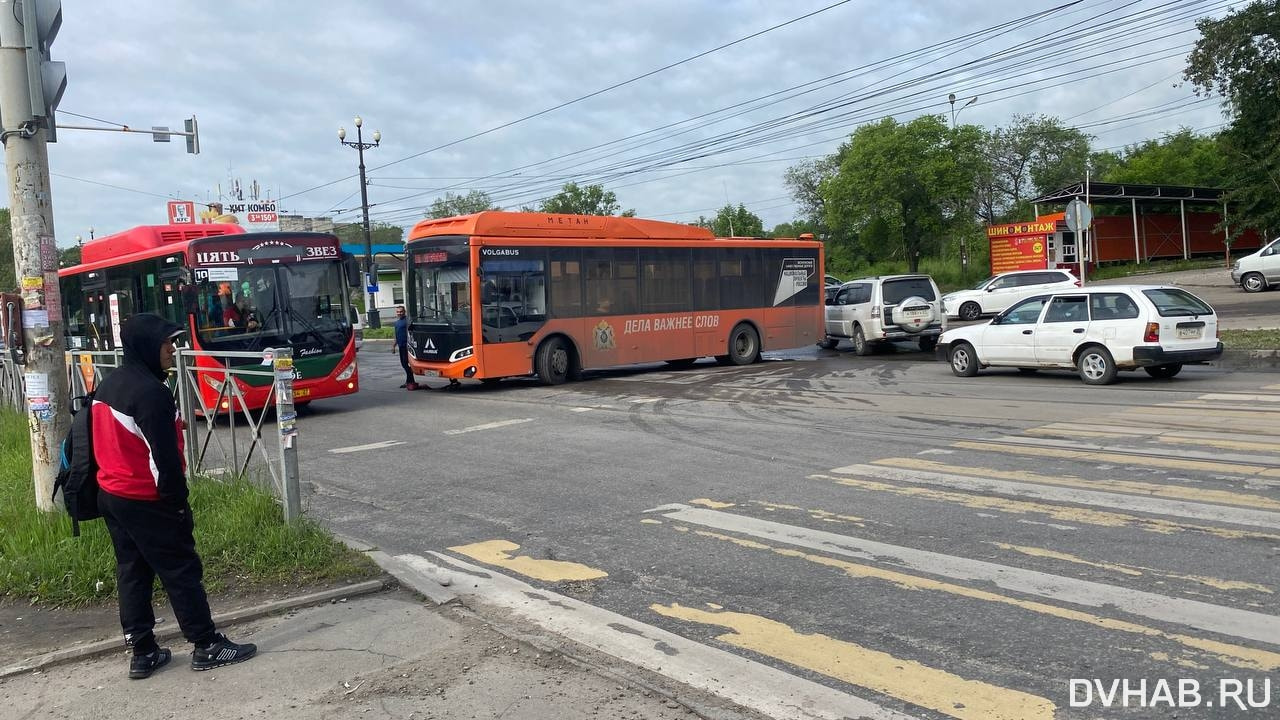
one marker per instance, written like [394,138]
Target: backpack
[78,470]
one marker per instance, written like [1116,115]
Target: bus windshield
[252,308]
[442,287]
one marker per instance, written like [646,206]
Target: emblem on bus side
[602,334]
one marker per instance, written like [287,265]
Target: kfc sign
[182,212]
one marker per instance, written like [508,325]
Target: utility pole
[30,87]
[372,319]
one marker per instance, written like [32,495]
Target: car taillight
[875,312]
[1153,333]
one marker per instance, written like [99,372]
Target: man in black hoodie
[137,443]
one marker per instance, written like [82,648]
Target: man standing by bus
[137,443]
[402,345]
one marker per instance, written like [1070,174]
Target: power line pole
[30,87]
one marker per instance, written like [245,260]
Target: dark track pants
[153,539]
[404,363]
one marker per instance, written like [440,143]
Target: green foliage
[902,188]
[68,257]
[451,205]
[240,532]
[1238,58]
[1033,155]
[1251,339]
[574,199]
[8,281]
[734,222]
[379,233]
[1179,158]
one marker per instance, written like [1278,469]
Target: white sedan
[1097,331]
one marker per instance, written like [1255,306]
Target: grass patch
[1119,270]
[1251,339]
[385,332]
[240,533]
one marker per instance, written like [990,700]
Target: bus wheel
[744,346]
[555,360]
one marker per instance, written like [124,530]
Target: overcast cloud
[271,82]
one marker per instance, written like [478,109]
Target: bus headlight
[347,372]
[465,352]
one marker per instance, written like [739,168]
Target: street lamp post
[951,98]
[372,319]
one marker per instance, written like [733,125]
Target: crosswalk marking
[1240,441]
[1204,616]
[499,554]
[1134,571]
[1079,515]
[1109,457]
[1240,397]
[1272,447]
[944,474]
[908,680]
[753,685]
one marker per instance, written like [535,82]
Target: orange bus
[234,291]
[504,294]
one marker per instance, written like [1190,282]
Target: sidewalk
[362,649]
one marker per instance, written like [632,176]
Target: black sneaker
[221,652]
[141,666]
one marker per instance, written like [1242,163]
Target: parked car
[998,292]
[357,327]
[1098,331]
[830,284]
[886,308]
[1260,270]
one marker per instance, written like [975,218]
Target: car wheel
[928,343]
[744,345]
[964,361]
[1253,282]
[860,344]
[828,343]
[554,361]
[1096,366]
[970,311]
[1164,371]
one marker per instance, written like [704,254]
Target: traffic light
[193,138]
[41,20]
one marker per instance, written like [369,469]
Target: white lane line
[1200,615]
[487,426]
[1232,397]
[1109,500]
[370,446]
[1186,453]
[772,692]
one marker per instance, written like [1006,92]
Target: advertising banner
[1019,246]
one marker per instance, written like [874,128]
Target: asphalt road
[902,539]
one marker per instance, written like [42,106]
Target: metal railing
[225,437]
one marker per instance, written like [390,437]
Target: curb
[1249,360]
[103,647]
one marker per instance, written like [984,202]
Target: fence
[222,437]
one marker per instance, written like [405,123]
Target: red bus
[234,291]
[503,294]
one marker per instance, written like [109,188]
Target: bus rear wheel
[744,346]
[555,361]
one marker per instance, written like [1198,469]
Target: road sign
[1078,215]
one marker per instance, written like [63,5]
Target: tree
[1238,58]
[451,204]
[379,233]
[1180,158]
[1033,155]
[738,222]
[901,188]
[583,200]
[69,256]
[8,280]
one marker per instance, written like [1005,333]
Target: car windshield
[1172,302]
[895,291]
[983,284]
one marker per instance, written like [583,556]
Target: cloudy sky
[678,106]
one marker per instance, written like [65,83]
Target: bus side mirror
[352,270]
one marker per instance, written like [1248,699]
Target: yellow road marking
[815,514]
[1222,444]
[1174,492]
[650,521]
[714,505]
[1107,457]
[1134,570]
[907,680]
[1235,655]
[498,552]
[1086,516]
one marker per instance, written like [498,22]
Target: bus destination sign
[244,250]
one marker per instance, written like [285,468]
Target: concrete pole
[35,257]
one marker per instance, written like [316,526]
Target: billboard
[253,216]
[1019,246]
[182,212]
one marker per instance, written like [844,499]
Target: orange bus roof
[532,224]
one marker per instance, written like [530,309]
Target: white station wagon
[1097,331]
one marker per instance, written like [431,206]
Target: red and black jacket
[137,432]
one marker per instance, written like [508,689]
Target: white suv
[1097,331]
[1000,291]
[880,309]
